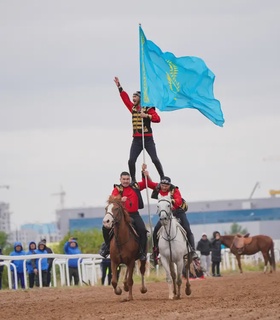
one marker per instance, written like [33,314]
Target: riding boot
[105,248]
[192,246]
[143,247]
[155,251]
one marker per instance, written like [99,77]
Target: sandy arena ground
[253,295]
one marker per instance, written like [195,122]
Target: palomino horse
[173,249]
[124,247]
[240,245]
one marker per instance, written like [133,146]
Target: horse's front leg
[166,267]
[188,285]
[130,269]
[238,258]
[179,278]
[173,276]
[117,289]
[142,271]
[125,285]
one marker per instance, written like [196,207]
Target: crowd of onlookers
[32,268]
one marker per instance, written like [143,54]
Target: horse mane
[117,200]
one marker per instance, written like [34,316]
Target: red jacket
[132,202]
[150,111]
[176,197]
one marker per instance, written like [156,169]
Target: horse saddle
[241,241]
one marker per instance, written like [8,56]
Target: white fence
[88,268]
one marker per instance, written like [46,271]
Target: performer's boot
[143,247]
[105,248]
[155,252]
[192,247]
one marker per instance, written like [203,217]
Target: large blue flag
[170,83]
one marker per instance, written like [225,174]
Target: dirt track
[250,296]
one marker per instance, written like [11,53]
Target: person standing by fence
[44,265]
[29,266]
[204,246]
[50,262]
[216,254]
[106,271]
[18,251]
[71,247]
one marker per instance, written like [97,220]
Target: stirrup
[194,255]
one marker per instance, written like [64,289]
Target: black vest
[136,189]
[184,205]
[137,121]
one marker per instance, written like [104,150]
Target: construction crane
[61,194]
[254,189]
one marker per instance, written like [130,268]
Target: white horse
[173,249]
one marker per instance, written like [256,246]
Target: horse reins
[115,222]
[168,233]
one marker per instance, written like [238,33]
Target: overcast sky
[64,124]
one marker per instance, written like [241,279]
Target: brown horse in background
[240,245]
[124,246]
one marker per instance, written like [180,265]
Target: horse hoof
[126,299]
[143,290]
[125,288]
[188,291]
[118,291]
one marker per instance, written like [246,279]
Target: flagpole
[143,141]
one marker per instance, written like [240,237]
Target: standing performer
[148,115]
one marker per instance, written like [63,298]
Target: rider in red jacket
[179,209]
[132,201]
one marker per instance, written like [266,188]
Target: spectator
[44,265]
[106,271]
[29,265]
[204,246]
[216,254]
[18,251]
[50,262]
[72,247]
[1,270]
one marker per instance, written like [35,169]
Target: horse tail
[273,257]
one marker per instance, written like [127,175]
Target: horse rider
[132,202]
[165,188]
[148,114]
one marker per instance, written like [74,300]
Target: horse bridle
[115,220]
[169,216]
[167,213]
